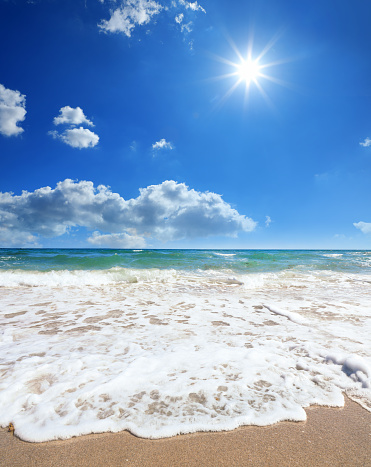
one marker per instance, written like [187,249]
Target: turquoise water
[238,261]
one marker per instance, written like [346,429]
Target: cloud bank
[364,227]
[168,211]
[122,240]
[12,111]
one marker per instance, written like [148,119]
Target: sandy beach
[335,437]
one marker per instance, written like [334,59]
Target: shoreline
[329,436]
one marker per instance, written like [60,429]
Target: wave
[65,278]
[184,278]
[225,254]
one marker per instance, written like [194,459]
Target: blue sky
[135,95]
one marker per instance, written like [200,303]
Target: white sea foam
[65,278]
[224,254]
[333,255]
[173,352]
[295,317]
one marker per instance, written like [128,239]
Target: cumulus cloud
[120,240]
[129,14]
[366,143]
[364,227]
[12,111]
[162,144]
[71,116]
[77,137]
[169,211]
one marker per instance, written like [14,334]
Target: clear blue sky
[132,95]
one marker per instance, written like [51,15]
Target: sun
[248,71]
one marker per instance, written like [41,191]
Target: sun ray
[269,45]
[222,59]
[267,99]
[281,82]
[220,77]
[278,62]
[228,94]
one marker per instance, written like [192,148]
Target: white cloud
[77,137]
[9,238]
[12,111]
[162,144]
[366,143]
[268,221]
[168,211]
[192,5]
[129,14]
[179,18]
[186,28]
[120,240]
[364,227]
[71,116]
[74,137]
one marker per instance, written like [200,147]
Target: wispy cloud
[168,211]
[364,227]
[366,143]
[179,18]
[268,221]
[129,14]
[162,144]
[195,6]
[12,111]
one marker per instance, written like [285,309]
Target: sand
[333,437]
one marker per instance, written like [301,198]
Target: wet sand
[332,437]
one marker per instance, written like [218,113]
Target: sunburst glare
[250,70]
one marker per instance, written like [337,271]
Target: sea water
[162,342]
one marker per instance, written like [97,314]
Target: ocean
[163,342]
